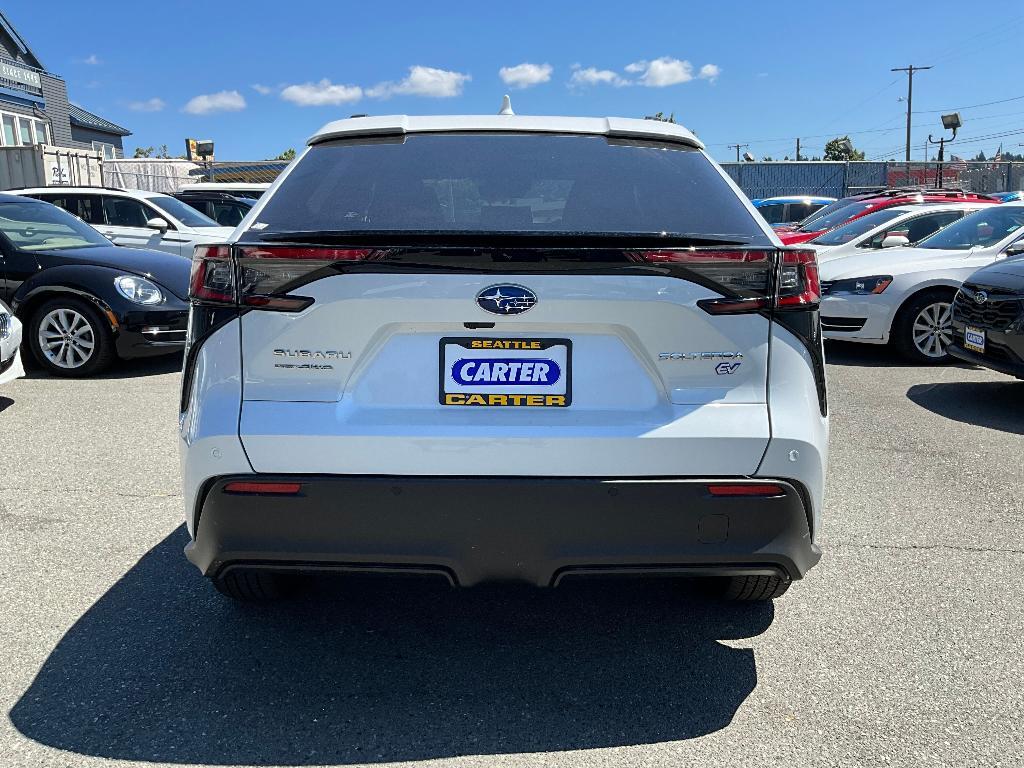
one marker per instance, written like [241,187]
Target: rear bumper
[473,529]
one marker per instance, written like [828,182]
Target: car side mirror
[158,223]
[895,241]
[1015,249]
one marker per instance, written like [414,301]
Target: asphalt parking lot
[902,648]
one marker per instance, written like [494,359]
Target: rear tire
[923,329]
[252,586]
[754,588]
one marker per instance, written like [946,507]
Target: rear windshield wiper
[498,238]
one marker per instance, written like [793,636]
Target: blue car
[1007,197]
[789,210]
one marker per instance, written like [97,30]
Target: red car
[858,206]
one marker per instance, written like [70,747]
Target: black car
[83,300]
[227,210]
[988,318]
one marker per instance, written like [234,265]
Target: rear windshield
[512,183]
[857,227]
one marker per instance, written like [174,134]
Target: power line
[737,148]
[969,106]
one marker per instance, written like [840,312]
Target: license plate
[974,339]
[510,373]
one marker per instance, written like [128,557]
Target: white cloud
[147,105]
[222,101]
[321,94]
[594,76]
[422,81]
[524,75]
[662,72]
[709,72]
[262,89]
[91,59]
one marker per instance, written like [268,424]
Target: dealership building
[34,106]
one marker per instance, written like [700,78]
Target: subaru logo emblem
[506,299]
[980,297]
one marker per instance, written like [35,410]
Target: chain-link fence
[166,175]
[838,179]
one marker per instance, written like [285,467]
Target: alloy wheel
[933,329]
[66,338]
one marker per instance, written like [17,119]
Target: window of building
[25,128]
[22,131]
[10,131]
[108,150]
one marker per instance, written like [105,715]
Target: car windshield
[509,183]
[857,227]
[183,212]
[35,226]
[834,219]
[981,229]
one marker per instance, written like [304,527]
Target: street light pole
[910,70]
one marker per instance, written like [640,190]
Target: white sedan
[10,342]
[898,226]
[902,296]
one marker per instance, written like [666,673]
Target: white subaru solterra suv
[504,348]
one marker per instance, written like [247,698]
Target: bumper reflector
[272,488]
[746,490]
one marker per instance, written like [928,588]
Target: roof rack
[68,186]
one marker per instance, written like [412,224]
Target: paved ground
[904,647]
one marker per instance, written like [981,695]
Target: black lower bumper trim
[473,529]
[1001,366]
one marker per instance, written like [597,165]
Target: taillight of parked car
[745,277]
[257,277]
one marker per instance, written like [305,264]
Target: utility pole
[798,148]
[910,70]
[738,147]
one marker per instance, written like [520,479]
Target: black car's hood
[1007,274]
[167,269]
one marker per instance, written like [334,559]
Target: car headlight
[138,290]
[860,286]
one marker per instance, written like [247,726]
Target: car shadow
[163,669]
[992,404]
[875,356]
[124,369]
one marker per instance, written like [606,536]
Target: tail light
[799,284]
[213,275]
[746,277]
[261,277]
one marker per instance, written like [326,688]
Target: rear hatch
[504,304]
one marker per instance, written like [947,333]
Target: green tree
[661,116]
[840,148]
[288,154]
[144,152]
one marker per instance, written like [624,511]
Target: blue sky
[259,77]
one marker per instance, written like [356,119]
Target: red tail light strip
[277,489]
[739,489]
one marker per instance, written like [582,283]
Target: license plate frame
[524,349]
[974,339]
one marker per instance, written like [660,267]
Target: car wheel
[924,328]
[68,337]
[754,588]
[252,585]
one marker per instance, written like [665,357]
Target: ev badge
[723,369]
